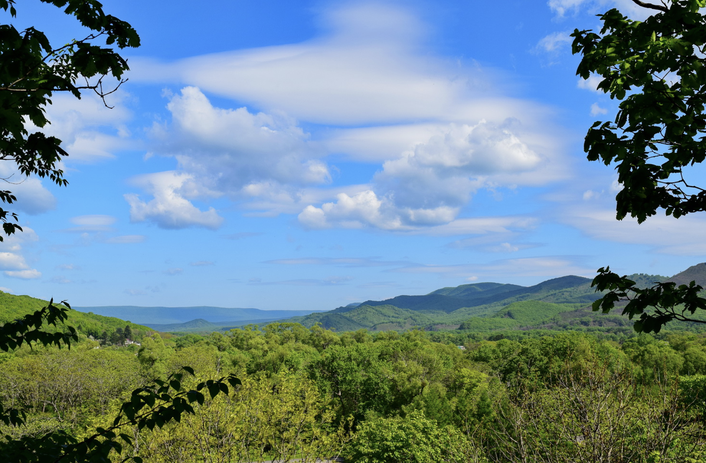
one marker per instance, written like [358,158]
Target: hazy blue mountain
[177,315]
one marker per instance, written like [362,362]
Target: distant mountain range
[553,304]
[161,317]
[557,303]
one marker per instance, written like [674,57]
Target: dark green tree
[32,70]
[656,69]
[128,332]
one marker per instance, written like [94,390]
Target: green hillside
[13,307]
[559,303]
[375,318]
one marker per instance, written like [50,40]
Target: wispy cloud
[440,130]
[330,281]
[340,262]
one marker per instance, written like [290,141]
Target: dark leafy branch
[32,70]
[654,306]
[656,69]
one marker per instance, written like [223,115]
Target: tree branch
[652,6]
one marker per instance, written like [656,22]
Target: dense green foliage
[380,397]
[106,330]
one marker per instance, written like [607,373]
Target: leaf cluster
[656,68]
[654,306]
[32,70]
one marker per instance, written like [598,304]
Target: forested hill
[568,289]
[13,307]
[558,302]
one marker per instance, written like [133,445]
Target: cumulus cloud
[89,131]
[439,130]
[12,259]
[170,207]
[232,152]
[430,183]
[241,148]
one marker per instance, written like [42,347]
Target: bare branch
[663,8]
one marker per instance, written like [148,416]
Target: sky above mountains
[305,155]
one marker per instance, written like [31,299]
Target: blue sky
[305,155]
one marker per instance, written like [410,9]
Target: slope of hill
[13,307]
[559,302]
[452,306]
[695,273]
[375,318]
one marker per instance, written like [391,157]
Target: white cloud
[364,68]
[504,270]
[596,110]
[591,83]
[235,148]
[357,211]
[89,131]
[24,274]
[9,260]
[554,42]
[170,208]
[507,247]
[12,259]
[265,159]
[68,267]
[447,130]
[685,234]
[561,7]
[627,7]
[431,182]
[32,197]
[484,226]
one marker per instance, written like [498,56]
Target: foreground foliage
[656,68]
[312,393]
